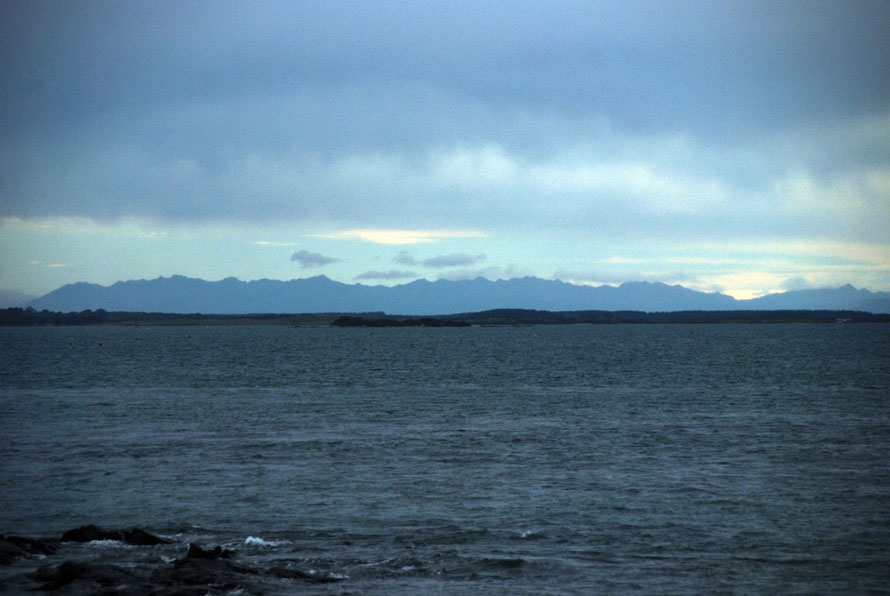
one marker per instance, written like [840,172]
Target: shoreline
[18,317]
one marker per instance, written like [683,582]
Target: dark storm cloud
[648,64]
[356,113]
[308,259]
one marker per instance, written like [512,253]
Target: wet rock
[85,534]
[218,552]
[91,574]
[9,552]
[12,547]
[314,578]
[133,536]
[220,573]
[142,538]
[200,571]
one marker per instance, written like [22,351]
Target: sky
[741,147]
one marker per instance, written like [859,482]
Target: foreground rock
[90,578]
[12,547]
[200,570]
[196,552]
[212,574]
[133,536]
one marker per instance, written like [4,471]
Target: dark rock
[12,547]
[35,546]
[207,572]
[9,551]
[92,532]
[201,571]
[186,591]
[139,537]
[44,573]
[218,552]
[85,534]
[285,573]
[91,573]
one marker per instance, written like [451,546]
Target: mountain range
[178,294]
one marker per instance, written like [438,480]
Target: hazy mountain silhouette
[11,298]
[844,297]
[180,294]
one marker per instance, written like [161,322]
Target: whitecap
[109,543]
[257,541]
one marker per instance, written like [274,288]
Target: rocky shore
[197,571]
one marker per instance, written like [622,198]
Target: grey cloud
[404,258]
[736,62]
[440,261]
[311,259]
[453,260]
[628,196]
[296,118]
[391,274]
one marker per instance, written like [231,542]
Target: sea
[565,459]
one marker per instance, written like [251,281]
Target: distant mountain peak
[423,297]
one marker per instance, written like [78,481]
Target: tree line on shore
[28,317]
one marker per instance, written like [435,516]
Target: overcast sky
[734,146]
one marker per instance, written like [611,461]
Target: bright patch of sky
[741,147]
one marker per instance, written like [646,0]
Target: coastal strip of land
[497,317]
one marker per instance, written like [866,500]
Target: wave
[106,543]
[257,541]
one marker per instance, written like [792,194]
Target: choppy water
[676,458]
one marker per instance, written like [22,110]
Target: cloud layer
[644,126]
[484,109]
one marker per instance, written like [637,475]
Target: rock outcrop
[133,536]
